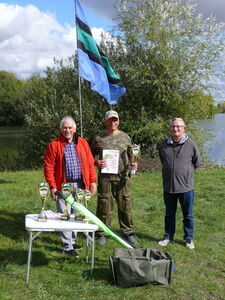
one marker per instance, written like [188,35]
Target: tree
[11,90]
[166,56]
[49,99]
[221,107]
[169,54]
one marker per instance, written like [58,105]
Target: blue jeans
[186,201]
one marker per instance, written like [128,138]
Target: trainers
[190,244]
[77,247]
[101,240]
[164,242]
[131,239]
[70,253]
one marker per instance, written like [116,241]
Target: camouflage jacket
[121,142]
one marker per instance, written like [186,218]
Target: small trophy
[135,151]
[80,198]
[66,190]
[87,196]
[43,194]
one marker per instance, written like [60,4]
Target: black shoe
[70,253]
[131,239]
[77,247]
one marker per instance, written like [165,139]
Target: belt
[74,180]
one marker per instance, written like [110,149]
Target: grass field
[199,273]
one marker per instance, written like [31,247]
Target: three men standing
[68,159]
[179,156]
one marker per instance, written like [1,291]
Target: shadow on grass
[12,225]
[140,236]
[101,274]
[19,257]
[3,181]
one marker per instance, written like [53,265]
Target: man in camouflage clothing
[114,186]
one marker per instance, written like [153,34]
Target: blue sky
[64,11]
[32,32]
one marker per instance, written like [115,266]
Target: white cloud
[98,33]
[29,39]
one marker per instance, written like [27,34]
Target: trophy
[66,190]
[43,194]
[80,198]
[87,196]
[135,151]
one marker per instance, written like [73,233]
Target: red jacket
[54,162]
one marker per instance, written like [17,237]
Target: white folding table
[32,225]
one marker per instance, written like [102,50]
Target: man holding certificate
[112,150]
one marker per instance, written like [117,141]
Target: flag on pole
[93,64]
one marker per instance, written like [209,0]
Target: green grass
[199,273]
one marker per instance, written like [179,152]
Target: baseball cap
[111,114]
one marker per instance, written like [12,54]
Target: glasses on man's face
[176,126]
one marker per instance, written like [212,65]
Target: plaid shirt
[72,164]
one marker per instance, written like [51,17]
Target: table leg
[92,251]
[87,245]
[29,254]
[31,238]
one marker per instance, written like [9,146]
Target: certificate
[112,161]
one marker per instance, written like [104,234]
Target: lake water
[215,147]
[11,139]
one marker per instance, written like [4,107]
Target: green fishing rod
[88,214]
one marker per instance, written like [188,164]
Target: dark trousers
[186,201]
[121,192]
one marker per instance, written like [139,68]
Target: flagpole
[79,81]
[81,112]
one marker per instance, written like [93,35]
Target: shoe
[164,242]
[101,240]
[190,244]
[131,239]
[77,247]
[70,253]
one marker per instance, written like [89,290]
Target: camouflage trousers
[108,191]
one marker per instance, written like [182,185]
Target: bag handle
[112,268]
[133,255]
[131,252]
[148,250]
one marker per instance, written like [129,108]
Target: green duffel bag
[138,266]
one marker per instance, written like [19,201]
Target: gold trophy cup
[87,197]
[79,193]
[66,190]
[135,151]
[43,194]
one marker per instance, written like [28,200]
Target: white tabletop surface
[32,224]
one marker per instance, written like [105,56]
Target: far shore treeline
[166,61]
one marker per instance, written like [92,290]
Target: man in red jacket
[68,159]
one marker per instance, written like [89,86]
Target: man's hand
[101,163]
[93,188]
[52,193]
[134,166]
